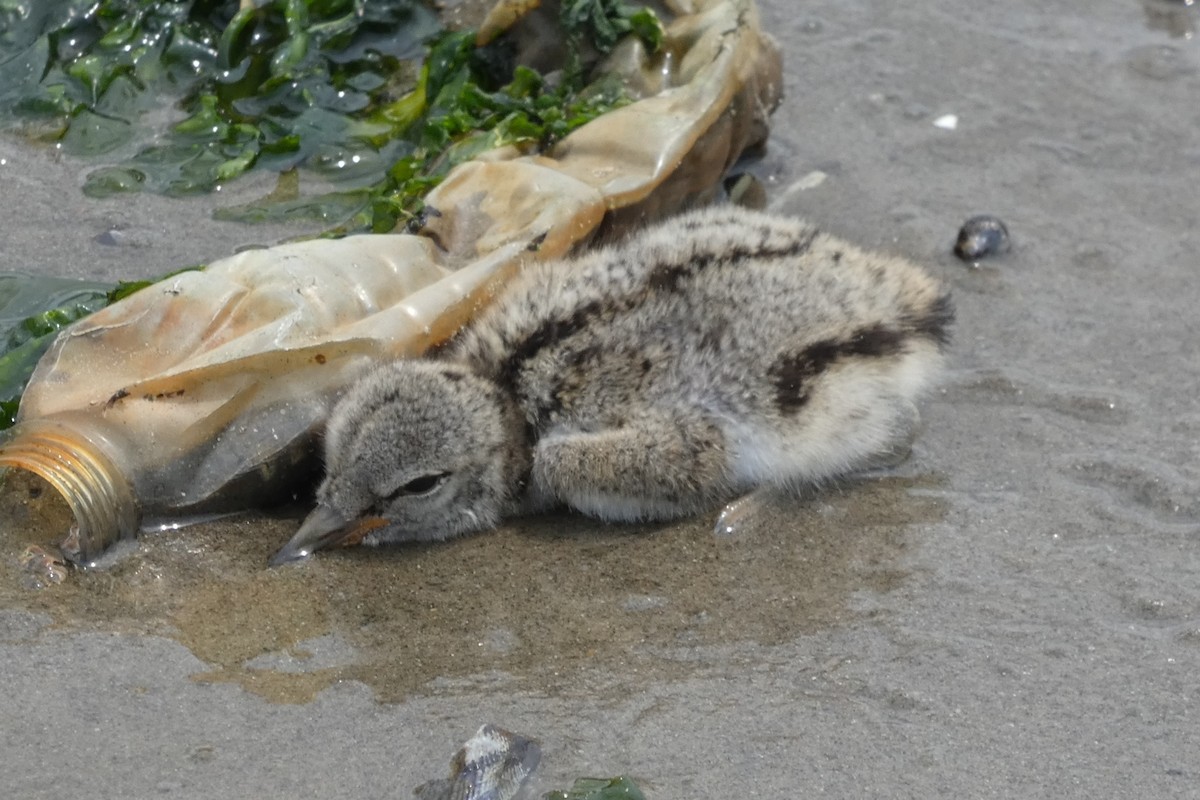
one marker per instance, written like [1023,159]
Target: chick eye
[422,485]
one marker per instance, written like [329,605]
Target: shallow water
[1014,612]
[402,619]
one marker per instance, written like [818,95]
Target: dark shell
[980,237]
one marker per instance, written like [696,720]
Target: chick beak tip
[323,528]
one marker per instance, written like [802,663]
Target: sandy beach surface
[1014,612]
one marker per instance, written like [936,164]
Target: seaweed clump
[374,99]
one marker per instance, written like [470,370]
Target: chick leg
[655,465]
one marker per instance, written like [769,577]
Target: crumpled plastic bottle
[204,393]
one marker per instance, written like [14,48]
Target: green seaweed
[622,788]
[605,22]
[33,310]
[331,87]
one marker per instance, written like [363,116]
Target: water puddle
[539,602]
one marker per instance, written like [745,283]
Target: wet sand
[1013,612]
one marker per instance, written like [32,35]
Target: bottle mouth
[75,463]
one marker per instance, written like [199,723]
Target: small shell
[493,765]
[980,237]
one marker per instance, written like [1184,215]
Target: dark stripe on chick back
[549,332]
[874,341]
[792,374]
[668,278]
[935,321]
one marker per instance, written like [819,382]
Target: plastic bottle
[203,393]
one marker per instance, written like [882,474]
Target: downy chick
[717,352]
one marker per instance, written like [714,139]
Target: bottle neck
[75,456]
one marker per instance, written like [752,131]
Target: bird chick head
[416,451]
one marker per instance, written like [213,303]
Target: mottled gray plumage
[719,351]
